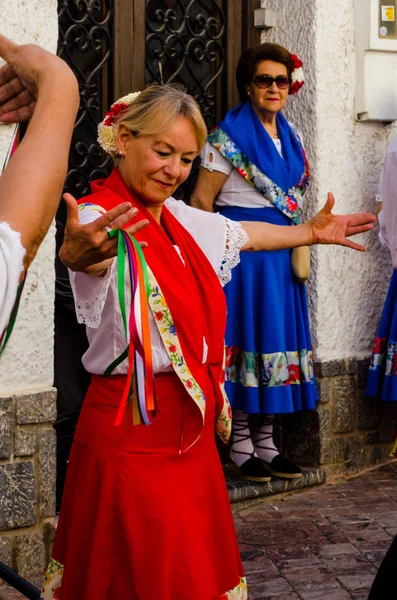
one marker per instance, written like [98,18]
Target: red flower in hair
[298,64]
[297,79]
[114,112]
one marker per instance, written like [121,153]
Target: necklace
[272,131]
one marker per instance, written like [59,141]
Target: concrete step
[240,490]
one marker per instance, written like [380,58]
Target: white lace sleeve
[90,294]
[235,239]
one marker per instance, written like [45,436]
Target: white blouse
[11,267]
[236,191]
[387,195]
[96,298]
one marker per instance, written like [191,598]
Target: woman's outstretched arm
[324,228]
[86,246]
[35,83]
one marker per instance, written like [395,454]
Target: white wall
[347,289]
[27,363]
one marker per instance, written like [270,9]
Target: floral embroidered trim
[236,238]
[224,421]
[240,592]
[93,211]
[52,584]
[166,328]
[289,204]
[384,356]
[268,370]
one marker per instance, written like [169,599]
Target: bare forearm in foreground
[31,185]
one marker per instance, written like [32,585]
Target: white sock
[242,446]
[262,436]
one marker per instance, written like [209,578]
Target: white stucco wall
[347,289]
[27,363]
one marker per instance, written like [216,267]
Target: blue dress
[269,363]
[382,376]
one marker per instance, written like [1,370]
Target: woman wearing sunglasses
[254,168]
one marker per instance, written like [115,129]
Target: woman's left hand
[327,228]
[87,247]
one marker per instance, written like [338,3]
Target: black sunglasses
[265,81]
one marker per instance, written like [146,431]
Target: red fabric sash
[192,291]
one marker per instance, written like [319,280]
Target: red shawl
[192,291]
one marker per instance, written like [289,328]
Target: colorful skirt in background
[269,362]
[382,377]
[139,520]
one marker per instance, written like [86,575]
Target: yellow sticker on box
[388,13]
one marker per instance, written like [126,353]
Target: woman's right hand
[27,68]
[327,228]
[87,247]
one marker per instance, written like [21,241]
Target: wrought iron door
[86,44]
[117,46]
[185,43]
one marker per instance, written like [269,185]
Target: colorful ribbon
[5,335]
[139,389]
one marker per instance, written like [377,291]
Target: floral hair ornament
[297,77]
[107,129]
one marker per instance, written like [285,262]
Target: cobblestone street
[322,544]
[325,543]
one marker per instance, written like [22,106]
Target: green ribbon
[13,317]
[121,252]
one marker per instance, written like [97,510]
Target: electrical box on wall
[376,57]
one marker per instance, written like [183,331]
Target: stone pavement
[322,544]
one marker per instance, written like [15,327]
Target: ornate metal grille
[185,43]
[85,42]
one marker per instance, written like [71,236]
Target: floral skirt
[269,362]
[139,519]
[382,376]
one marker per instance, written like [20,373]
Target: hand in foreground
[88,248]
[327,228]
[20,78]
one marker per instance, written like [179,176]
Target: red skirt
[139,519]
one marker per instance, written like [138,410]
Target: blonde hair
[156,109]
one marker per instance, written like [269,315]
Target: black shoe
[253,469]
[283,468]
